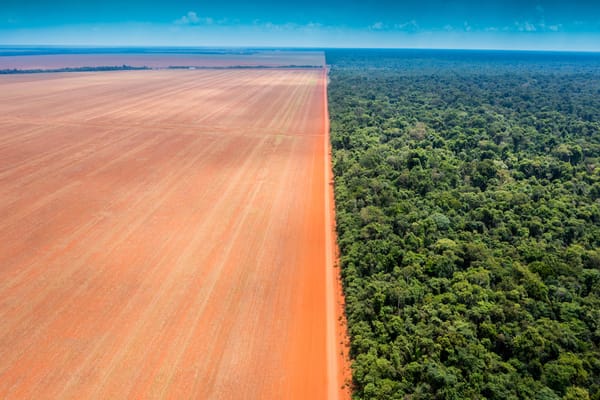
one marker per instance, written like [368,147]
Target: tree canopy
[468,217]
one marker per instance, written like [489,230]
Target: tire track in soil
[186,254]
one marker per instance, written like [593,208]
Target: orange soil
[164,235]
[162,60]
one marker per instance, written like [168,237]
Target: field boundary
[338,364]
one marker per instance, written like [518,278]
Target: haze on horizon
[466,24]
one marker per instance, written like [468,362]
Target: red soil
[165,234]
[265,58]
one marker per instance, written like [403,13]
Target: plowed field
[164,234]
[160,60]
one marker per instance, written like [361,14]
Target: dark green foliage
[468,219]
[72,69]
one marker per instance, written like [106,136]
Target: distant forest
[71,69]
[467,191]
[132,68]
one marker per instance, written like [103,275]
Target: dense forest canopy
[468,213]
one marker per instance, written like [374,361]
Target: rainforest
[467,189]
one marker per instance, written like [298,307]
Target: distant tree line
[131,68]
[468,217]
[71,69]
[247,67]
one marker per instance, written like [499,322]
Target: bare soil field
[266,58]
[167,234]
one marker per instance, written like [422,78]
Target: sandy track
[164,236]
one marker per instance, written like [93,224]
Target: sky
[465,24]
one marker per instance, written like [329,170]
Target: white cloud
[525,26]
[377,26]
[410,26]
[536,25]
[308,28]
[272,26]
[192,18]
[555,28]
[540,26]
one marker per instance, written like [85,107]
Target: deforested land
[165,233]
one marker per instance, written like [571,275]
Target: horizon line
[322,48]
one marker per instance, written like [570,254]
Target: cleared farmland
[163,60]
[164,234]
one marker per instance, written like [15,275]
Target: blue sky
[524,24]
